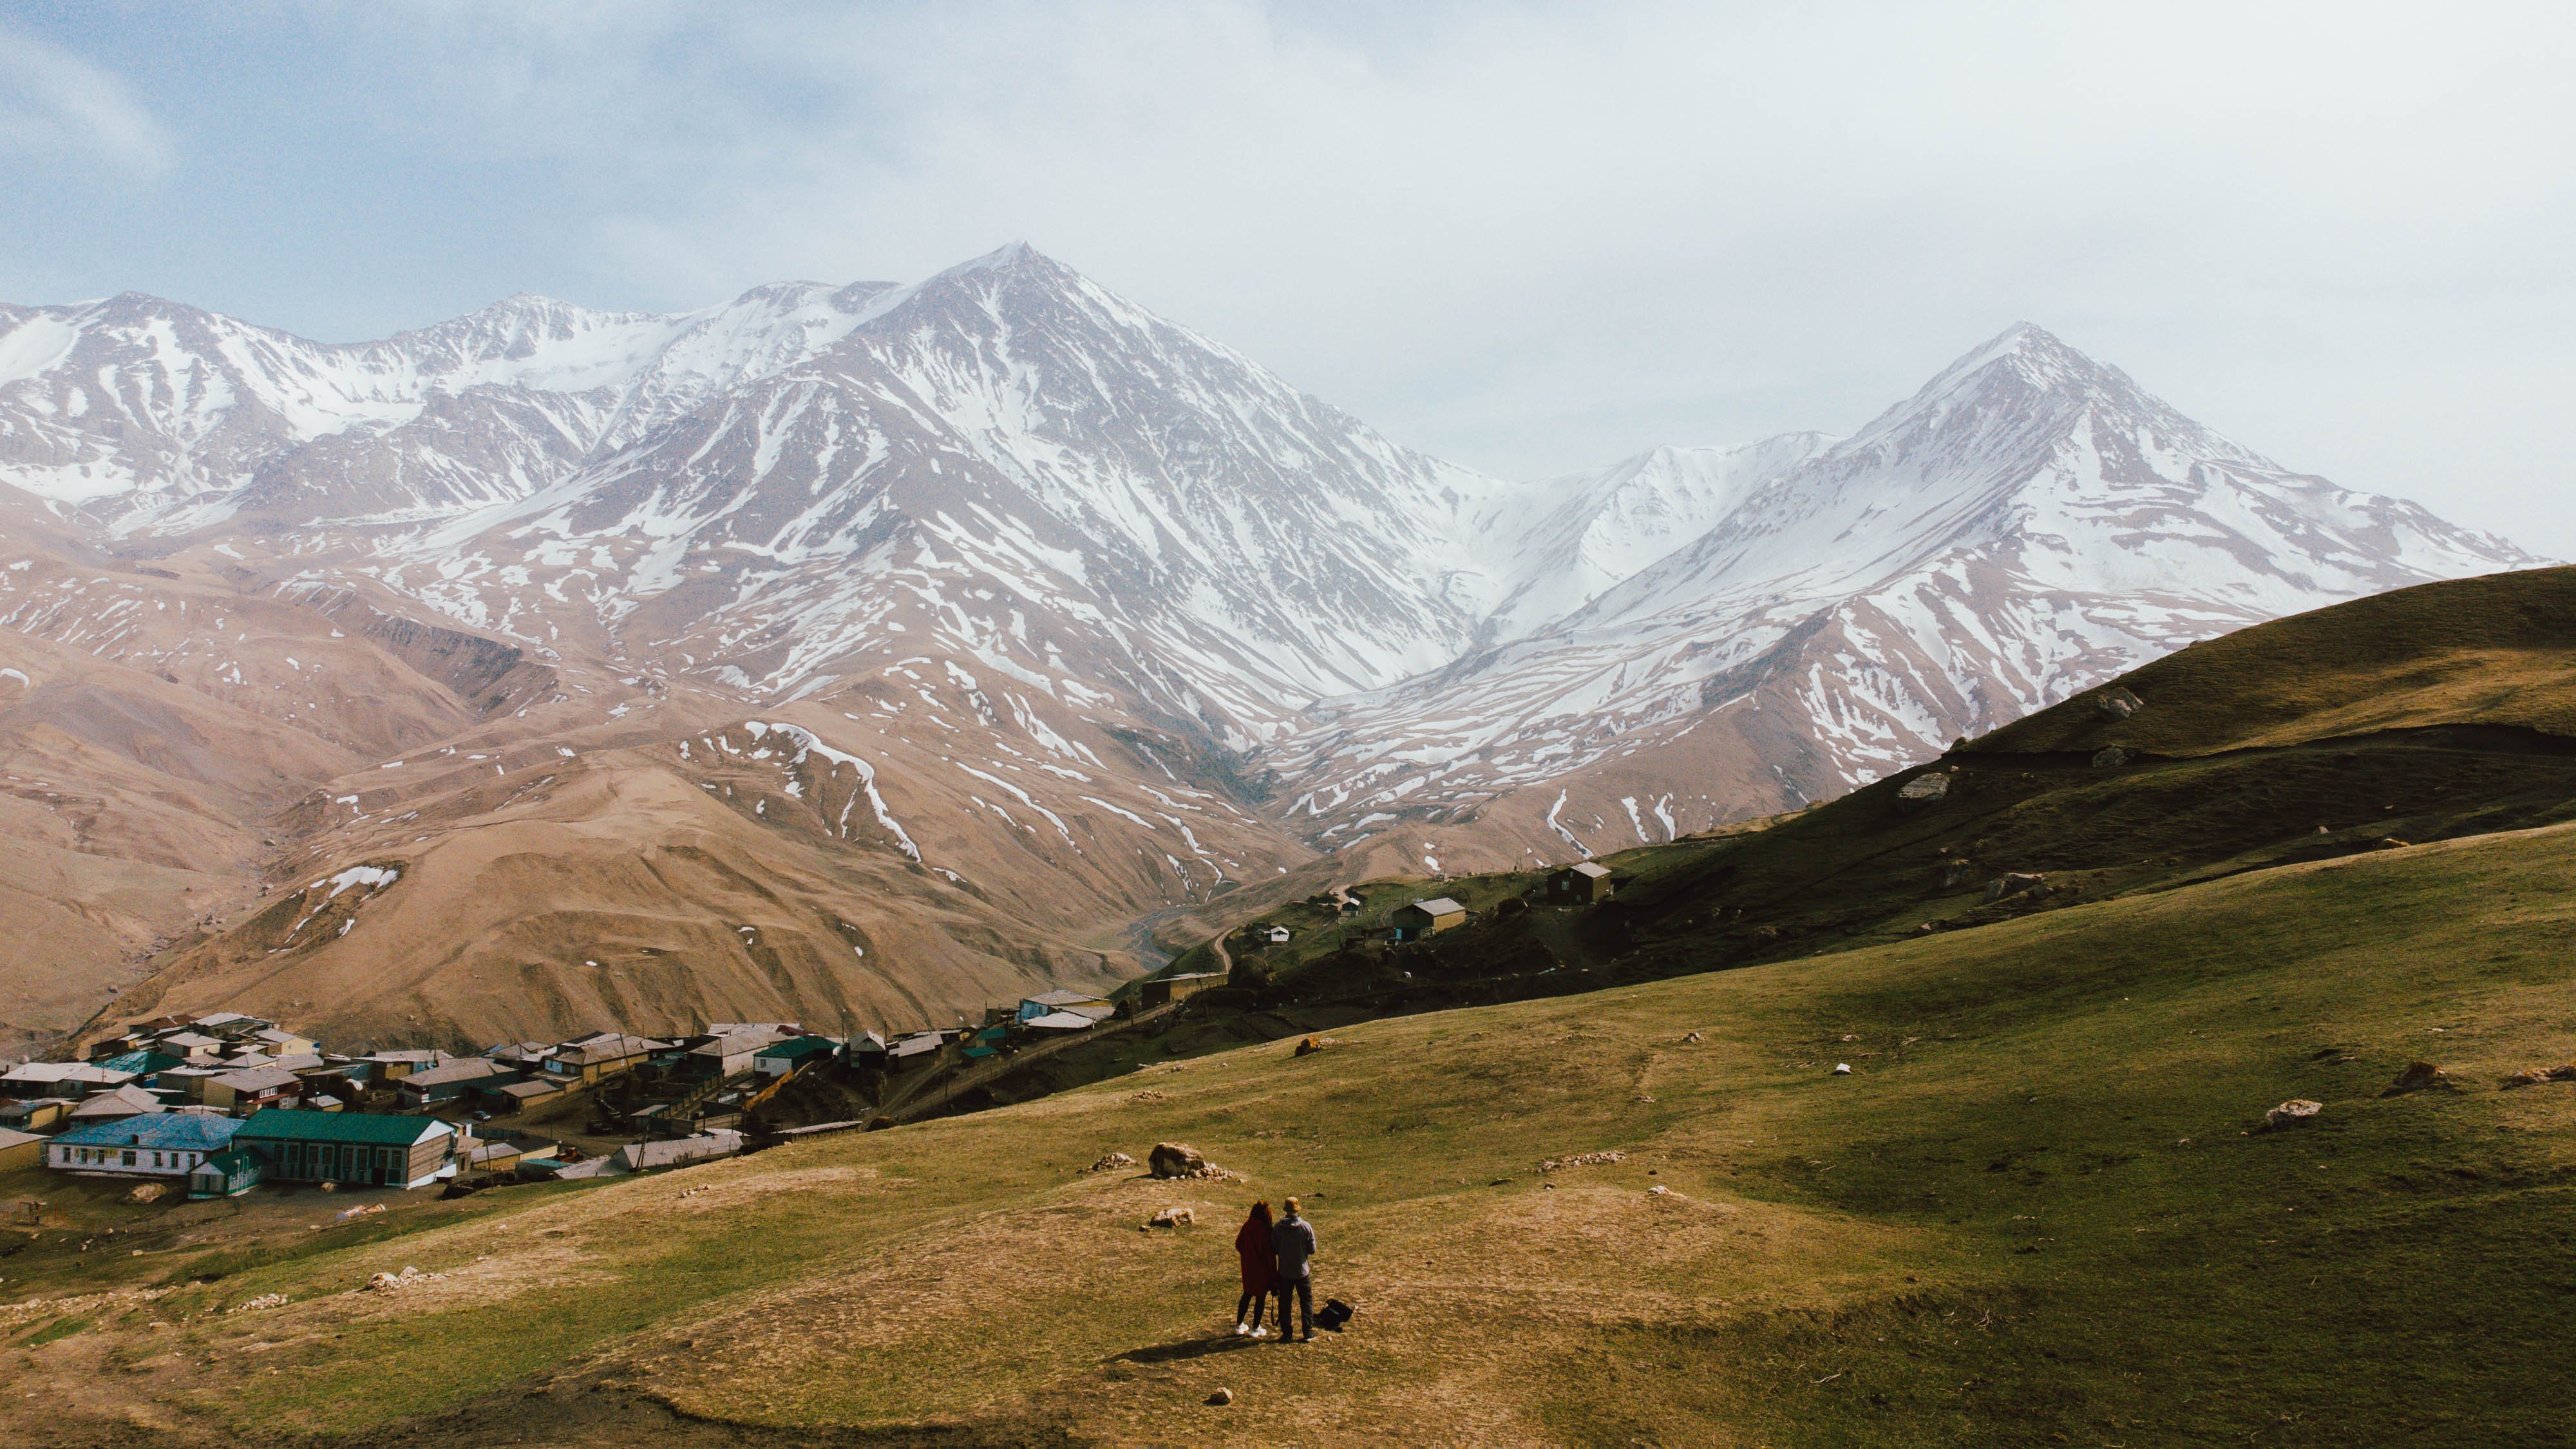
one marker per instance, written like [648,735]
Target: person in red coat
[1252,1245]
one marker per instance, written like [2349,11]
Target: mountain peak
[1001,259]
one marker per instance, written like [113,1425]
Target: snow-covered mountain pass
[2027,524]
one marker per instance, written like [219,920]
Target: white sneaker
[1240,1329]
[1261,1333]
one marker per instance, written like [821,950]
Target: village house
[230,1025]
[281,1043]
[506,1099]
[188,1081]
[20,1149]
[228,1173]
[60,1079]
[114,1105]
[166,1144]
[146,1063]
[391,1067]
[448,1081]
[252,1088]
[1087,1003]
[782,1057]
[730,1053]
[1061,1021]
[1580,884]
[524,1056]
[1277,935]
[867,1049]
[922,1046]
[196,1046]
[1425,918]
[1163,990]
[348,1147]
[35,1114]
[603,1054]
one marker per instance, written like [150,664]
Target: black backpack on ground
[1333,1315]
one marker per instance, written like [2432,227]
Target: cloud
[55,106]
[1530,237]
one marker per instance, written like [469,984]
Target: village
[218,1105]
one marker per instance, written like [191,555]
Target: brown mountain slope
[2497,650]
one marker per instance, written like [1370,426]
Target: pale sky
[1531,238]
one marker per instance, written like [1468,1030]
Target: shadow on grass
[1191,1348]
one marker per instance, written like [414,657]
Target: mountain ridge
[1116,620]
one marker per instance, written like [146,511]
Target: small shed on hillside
[1426,918]
[20,1149]
[1579,884]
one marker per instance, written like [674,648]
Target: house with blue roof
[160,1144]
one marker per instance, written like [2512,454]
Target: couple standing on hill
[1276,1259]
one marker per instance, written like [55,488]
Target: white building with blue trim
[161,1144]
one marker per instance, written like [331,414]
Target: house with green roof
[348,1147]
[229,1173]
[780,1058]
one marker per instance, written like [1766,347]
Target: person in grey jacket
[1292,1243]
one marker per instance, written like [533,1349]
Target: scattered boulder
[1694,1037]
[1110,1162]
[2527,1077]
[1926,929]
[1841,1069]
[1924,791]
[265,1300]
[1221,1397]
[2292,1112]
[409,1277]
[2415,1078]
[1955,873]
[1172,1217]
[147,1192]
[2117,703]
[1313,1044]
[1177,1159]
[1583,1159]
[2012,883]
[2110,757]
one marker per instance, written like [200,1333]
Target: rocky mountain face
[2029,523]
[869,653]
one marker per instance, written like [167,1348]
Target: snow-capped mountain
[1071,614]
[134,407]
[2027,524]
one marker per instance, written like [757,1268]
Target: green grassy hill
[2042,1209]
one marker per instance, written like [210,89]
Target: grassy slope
[2031,1216]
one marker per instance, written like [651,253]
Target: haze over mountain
[865,654]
